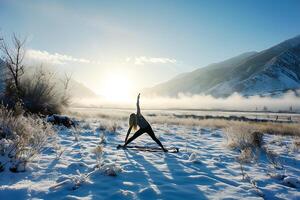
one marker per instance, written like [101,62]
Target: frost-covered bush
[273,158]
[242,137]
[105,166]
[247,141]
[98,151]
[102,139]
[78,179]
[110,169]
[296,144]
[72,182]
[75,181]
[194,158]
[22,137]
[42,93]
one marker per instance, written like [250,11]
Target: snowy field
[205,168]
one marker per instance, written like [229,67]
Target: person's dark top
[141,121]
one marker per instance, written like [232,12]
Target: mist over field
[286,102]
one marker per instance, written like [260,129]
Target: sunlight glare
[117,87]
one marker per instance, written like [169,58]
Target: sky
[118,44]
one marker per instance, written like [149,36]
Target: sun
[116,87]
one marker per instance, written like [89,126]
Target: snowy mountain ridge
[253,73]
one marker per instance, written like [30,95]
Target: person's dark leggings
[144,130]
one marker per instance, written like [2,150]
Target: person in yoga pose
[137,119]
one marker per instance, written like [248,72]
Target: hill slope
[80,91]
[272,70]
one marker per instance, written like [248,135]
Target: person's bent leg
[136,134]
[152,135]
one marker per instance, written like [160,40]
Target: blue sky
[148,41]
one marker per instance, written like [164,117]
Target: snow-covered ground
[205,168]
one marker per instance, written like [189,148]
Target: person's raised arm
[138,110]
[128,132]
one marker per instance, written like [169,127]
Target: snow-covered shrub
[72,182]
[242,137]
[105,166]
[247,141]
[110,169]
[273,158]
[102,139]
[86,126]
[22,138]
[4,145]
[77,180]
[194,158]
[247,155]
[57,148]
[296,144]
[76,132]
[98,151]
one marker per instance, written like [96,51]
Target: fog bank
[288,102]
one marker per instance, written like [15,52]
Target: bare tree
[66,83]
[37,93]
[13,56]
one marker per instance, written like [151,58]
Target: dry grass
[296,144]
[109,125]
[98,151]
[261,127]
[280,128]
[284,129]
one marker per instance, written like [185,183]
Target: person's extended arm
[128,132]
[138,110]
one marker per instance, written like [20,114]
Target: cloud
[56,58]
[143,60]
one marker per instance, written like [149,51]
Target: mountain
[80,91]
[273,70]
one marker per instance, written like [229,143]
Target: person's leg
[137,134]
[152,135]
